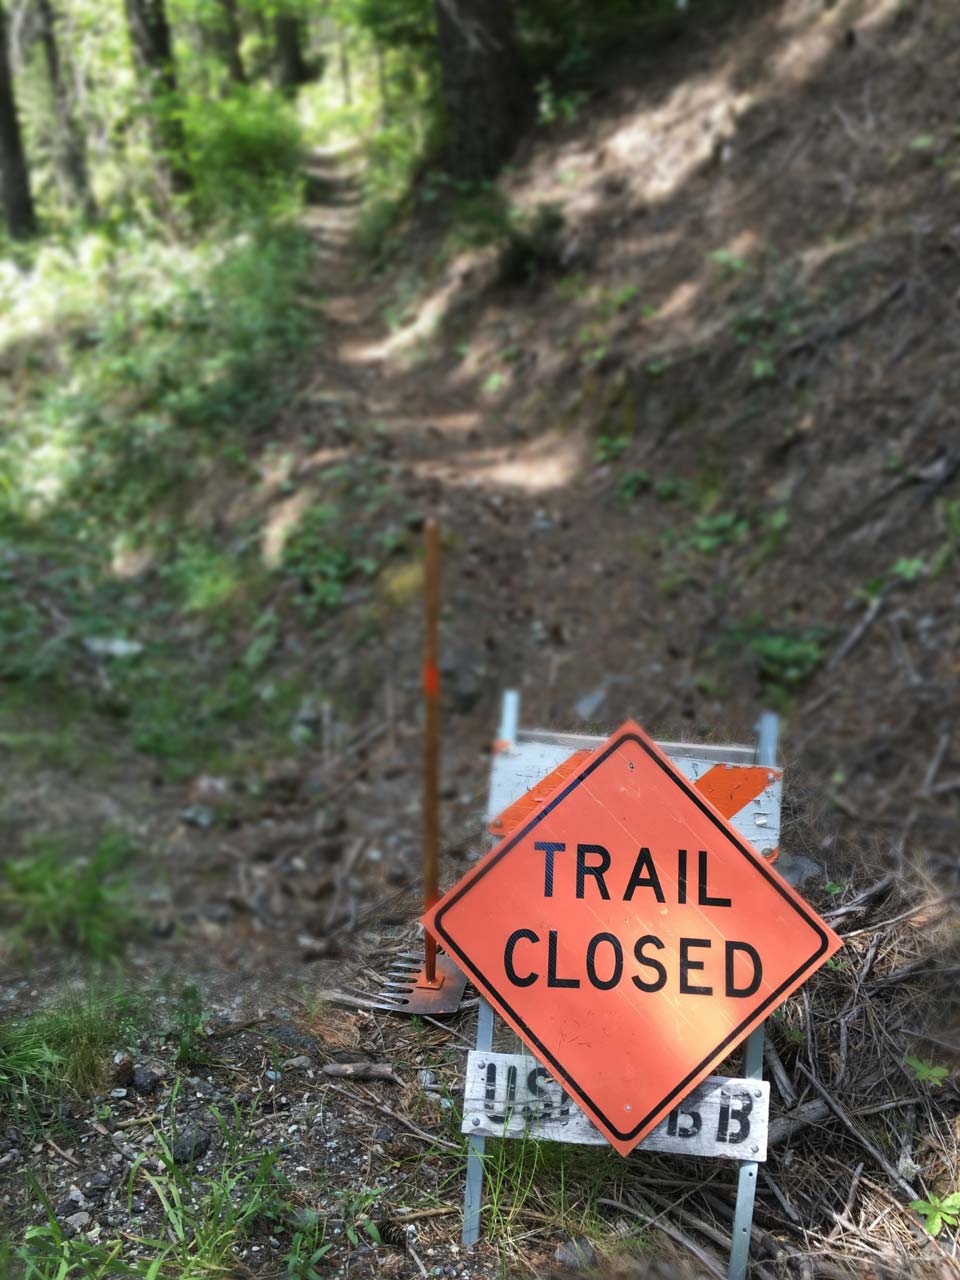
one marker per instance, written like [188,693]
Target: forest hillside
[655,309]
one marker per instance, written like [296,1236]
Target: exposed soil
[719,421]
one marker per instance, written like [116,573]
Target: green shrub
[77,901]
[244,153]
[65,1046]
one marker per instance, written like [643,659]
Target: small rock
[576,1254]
[290,1037]
[97,1186]
[198,815]
[273,1076]
[69,1204]
[122,1069]
[797,869]
[190,1146]
[112,647]
[79,1221]
[137,1205]
[118,1093]
[145,1080]
[586,708]
[383,1134]
[300,1063]
[429,1079]
[303,1220]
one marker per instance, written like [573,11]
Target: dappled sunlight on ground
[549,463]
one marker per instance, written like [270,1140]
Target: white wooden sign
[510,1095]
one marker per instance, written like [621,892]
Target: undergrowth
[60,895]
[64,1049]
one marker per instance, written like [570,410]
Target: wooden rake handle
[431,740]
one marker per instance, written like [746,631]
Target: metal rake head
[404,988]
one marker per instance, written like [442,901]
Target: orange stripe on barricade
[515,813]
[729,788]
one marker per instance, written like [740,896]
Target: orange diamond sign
[629,935]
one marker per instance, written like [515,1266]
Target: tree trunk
[382,85]
[71,158]
[482,87]
[292,69]
[345,79]
[14,177]
[231,41]
[153,52]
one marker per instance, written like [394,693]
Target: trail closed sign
[629,935]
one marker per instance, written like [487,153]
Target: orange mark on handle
[431,680]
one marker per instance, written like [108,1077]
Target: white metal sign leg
[476,1146]
[767,733]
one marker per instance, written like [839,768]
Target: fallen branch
[856,634]
[868,1146]
[361,1071]
[440,1211]
[358,1103]
[841,1220]
[904,915]
[675,1234]
[832,332]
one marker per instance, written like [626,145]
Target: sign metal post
[529,1094]
[767,733]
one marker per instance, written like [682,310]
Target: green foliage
[785,658]
[481,214]
[532,246]
[730,263]
[948,513]
[188,1030]
[207,1215]
[168,345]
[926,1072]
[204,576]
[66,1046]
[610,448]
[321,556]
[773,529]
[244,153]
[938,1212]
[909,568]
[48,1254]
[356,1215]
[711,532]
[308,1247]
[78,901]
[630,486]
[788,658]
[556,106]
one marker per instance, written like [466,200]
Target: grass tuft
[65,1048]
[75,901]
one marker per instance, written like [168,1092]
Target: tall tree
[14,176]
[71,155]
[153,52]
[231,34]
[292,67]
[483,91]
